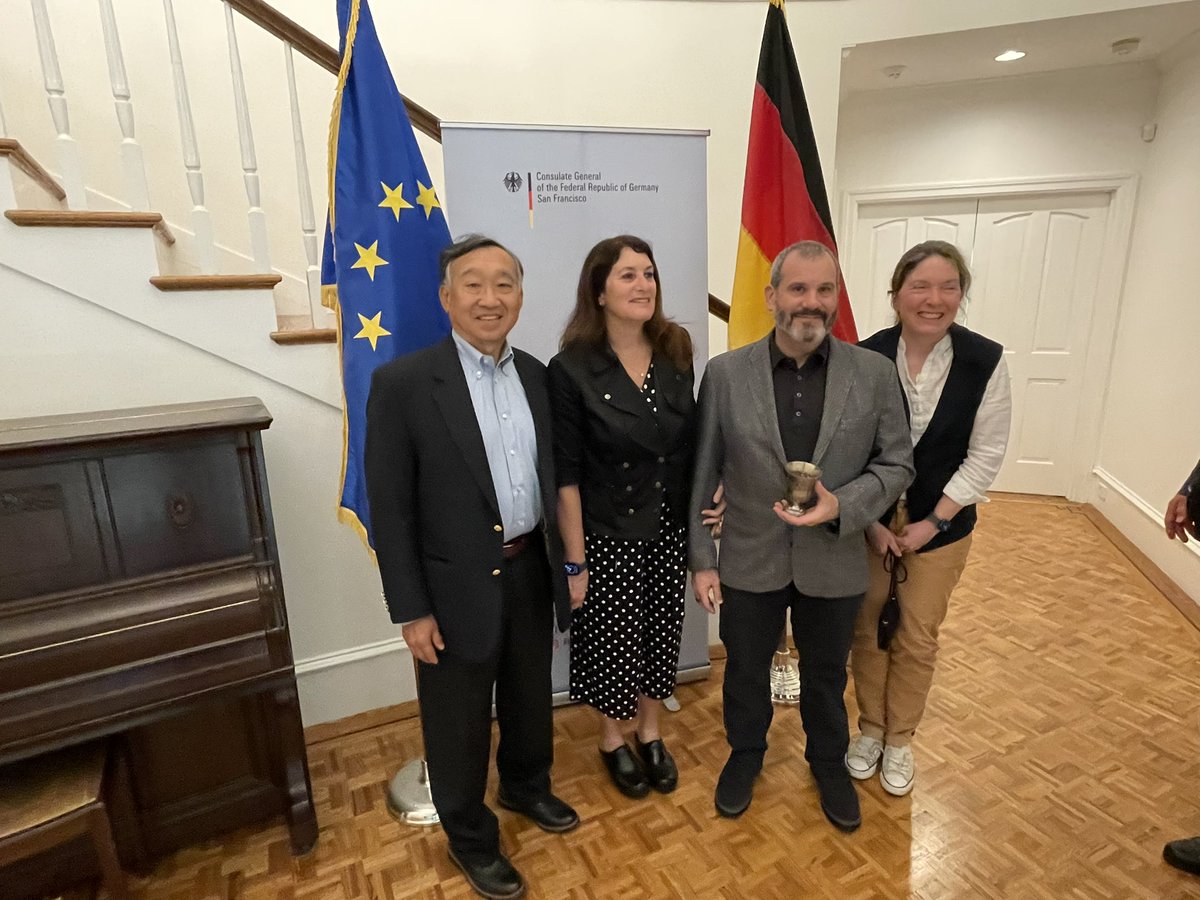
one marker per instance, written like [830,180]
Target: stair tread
[90,218]
[305,336]
[216,282]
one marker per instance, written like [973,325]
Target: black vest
[943,447]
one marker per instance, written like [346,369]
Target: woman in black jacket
[624,417]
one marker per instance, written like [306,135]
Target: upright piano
[141,603]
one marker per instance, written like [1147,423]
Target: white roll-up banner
[550,193]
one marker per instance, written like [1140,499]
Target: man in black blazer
[461,486]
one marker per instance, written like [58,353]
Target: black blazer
[438,534]
[624,457]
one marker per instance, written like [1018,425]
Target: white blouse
[989,436]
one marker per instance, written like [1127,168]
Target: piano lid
[123,424]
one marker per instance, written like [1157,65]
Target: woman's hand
[916,535]
[881,539]
[714,518]
[577,584]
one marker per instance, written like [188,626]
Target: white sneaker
[862,759]
[898,771]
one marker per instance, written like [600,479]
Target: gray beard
[807,331]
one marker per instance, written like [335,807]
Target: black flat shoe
[626,772]
[547,812]
[660,767]
[494,878]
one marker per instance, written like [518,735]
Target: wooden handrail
[274,22]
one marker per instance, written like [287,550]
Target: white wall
[1151,432]
[1081,121]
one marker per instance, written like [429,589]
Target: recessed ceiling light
[1010,55]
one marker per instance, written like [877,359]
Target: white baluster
[67,149]
[308,222]
[134,166]
[3,127]
[256,215]
[201,218]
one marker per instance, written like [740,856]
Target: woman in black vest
[624,418]
[957,396]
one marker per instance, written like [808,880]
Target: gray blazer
[864,450]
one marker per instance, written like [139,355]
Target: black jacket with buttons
[625,458]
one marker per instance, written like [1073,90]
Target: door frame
[1110,283]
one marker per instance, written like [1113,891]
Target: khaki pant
[892,685]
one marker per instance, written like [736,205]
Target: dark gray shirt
[799,399]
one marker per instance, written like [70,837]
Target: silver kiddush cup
[802,480]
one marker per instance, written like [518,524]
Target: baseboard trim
[372,718]
[353,655]
[1159,579]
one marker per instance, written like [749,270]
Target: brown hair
[586,327]
[914,256]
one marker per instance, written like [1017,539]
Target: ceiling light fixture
[1010,55]
[1125,46]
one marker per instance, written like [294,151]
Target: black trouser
[456,711]
[823,628]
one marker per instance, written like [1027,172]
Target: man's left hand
[826,510]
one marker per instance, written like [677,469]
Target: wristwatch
[574,568]
[942,525]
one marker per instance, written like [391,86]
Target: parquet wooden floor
[1058,753]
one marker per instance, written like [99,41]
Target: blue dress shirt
[509,438]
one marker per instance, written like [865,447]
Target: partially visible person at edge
[956,393]
[1182,519]
[460,477]
[797,394]
[624,440]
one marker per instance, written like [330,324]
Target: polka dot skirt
[625,638]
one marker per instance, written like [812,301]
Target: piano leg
[292,771]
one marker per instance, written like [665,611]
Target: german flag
[783,200]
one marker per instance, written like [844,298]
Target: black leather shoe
[547,812]
[626,772]
[839,800]
[735,787]
[494,878]
[1184,854]
[660,767]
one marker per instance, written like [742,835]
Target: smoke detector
[1125,46]
[894,72]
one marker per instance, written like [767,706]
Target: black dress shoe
[660,767]
[735,787]
[626,772]
[839,800]
[1184,854]
[494,878]
[547,811]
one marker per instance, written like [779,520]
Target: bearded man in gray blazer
[797,394]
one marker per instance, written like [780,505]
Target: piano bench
[51,799]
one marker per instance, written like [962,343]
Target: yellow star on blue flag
[371,329]
[374,147]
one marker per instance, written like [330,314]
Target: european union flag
[385,231]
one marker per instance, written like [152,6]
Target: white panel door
[882,234]
[1036,261]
